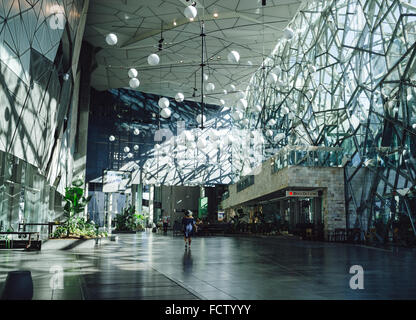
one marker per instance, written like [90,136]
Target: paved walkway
[149,266]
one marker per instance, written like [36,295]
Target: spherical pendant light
[134,83]
[230,140]
[279,137]
[163,103]
[210,87]
[277,70]
[242,104]
[288,33]
[233,57]
[231,87]
[133,73]
[312,69]
[199,118]
[153,59]
[201,144]
[190,12]
[129,155]
[165,113]
[271,122]
[111,39]
[222,102]
[136,132]
[214,135]
[206,77]
[126,149]
[136,147]
[269,133]
[179,97]
[112,138]
[271,78]
[237,115]
[241,95]
[285,110]
[245,122]
[256,108]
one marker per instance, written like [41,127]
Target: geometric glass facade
[346,78]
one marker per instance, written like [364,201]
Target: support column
[151,204]
[81,140]
[109,211]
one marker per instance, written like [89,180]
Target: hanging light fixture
[153,59]
[165,113]
[256,108]
[214,135]
[288,33]
[134,83]
[190,12]
[231,87]
[136,147]
[163,103]
[285,110]
[222,102]
[237,115]
[179,97]
[133,73]
[129,155]
[233,57]
[241,95]
[126,149]
[136,132]
[202,143]
[242,104]
[269,133]
[200,118]
[111,138]
[271,122]
[210,87]
[271,78]
[111,39]
[245,122]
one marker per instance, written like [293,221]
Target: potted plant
[76,226]
[128,220]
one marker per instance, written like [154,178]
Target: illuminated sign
[307,194]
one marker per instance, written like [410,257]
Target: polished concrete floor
[157,267]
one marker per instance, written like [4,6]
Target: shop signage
[303,194]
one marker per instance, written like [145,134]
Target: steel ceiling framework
[348,79]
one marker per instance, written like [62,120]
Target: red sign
[305,194]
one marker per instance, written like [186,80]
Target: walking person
[189,225]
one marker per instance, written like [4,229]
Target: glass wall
[345,77]
[25,196]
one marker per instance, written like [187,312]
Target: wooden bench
[28,244]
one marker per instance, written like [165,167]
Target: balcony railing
[307,156]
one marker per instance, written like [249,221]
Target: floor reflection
[187,261]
